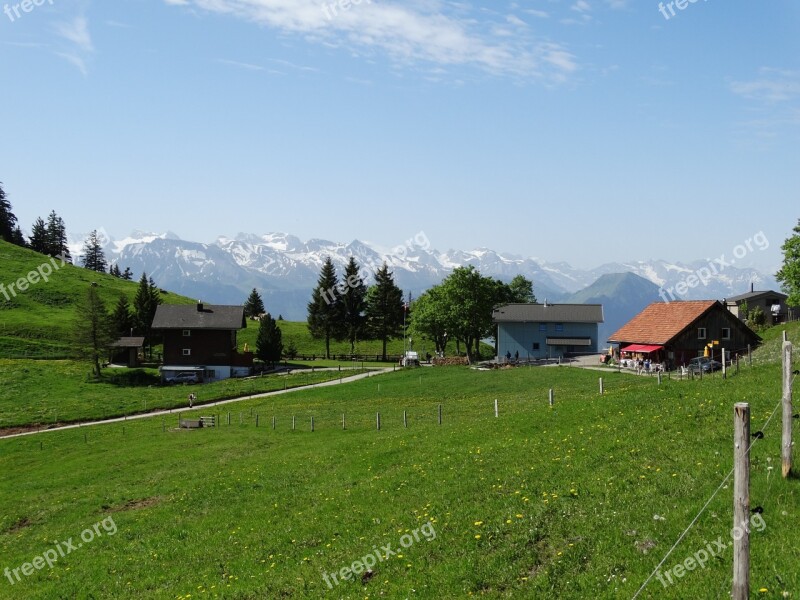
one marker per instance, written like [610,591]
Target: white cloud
[439,34]
[773,85]
[77,32]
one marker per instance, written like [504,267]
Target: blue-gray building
[547,330]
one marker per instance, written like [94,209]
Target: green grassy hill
[299,334]
[36,323]
[581,500]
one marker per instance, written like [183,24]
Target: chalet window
[535,345]
[187,351]
[559,327]
[543,327]
[187,332]
[726,333]
[701,333]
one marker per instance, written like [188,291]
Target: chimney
[752,287]
[199,307]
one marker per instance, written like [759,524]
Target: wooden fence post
[440,414]
[405,420]
[344,422]
[312,424]
[601,386]
[786,441]
[273,422]
[378,421]
[292,422]
[552,397]
[496,412]
[741,502]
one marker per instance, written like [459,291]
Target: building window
[187,351]
[535,345]
[542,326]
[726,333]
[559,327]
[701,333]
[187,332]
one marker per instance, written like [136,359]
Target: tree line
[50,237]
[348,310]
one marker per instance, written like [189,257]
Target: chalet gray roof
[548,313]
[199,317]
[751,295]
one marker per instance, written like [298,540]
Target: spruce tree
[122,318]
[254,306]
[57,237]
[93,257]
[354,304]
[269,344]
[127,275]
[8,221]
[385,308]
[325,308]
[145,304]
[38,238]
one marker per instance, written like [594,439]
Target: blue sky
[588,131]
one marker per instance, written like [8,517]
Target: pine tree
[57,237]
[93,257]
[385,308]
[38,238]
[325,308]
[127,275]
[354,304]
[254,305]
[8,221]
[122,318]
[92,334]
[269,345]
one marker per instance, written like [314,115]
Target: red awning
[643,348]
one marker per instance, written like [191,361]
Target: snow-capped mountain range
[285,269]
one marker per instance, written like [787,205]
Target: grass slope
[72,396]
[580,500]
[36,323]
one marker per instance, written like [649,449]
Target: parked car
[705,364]
[184,377]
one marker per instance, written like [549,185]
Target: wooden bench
[208,421]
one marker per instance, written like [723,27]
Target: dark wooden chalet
[202,339]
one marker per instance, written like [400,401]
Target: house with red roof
[675,332]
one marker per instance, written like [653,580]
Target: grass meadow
[579,500]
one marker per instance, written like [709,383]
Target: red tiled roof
[662,321]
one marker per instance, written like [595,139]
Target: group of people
[642,365]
